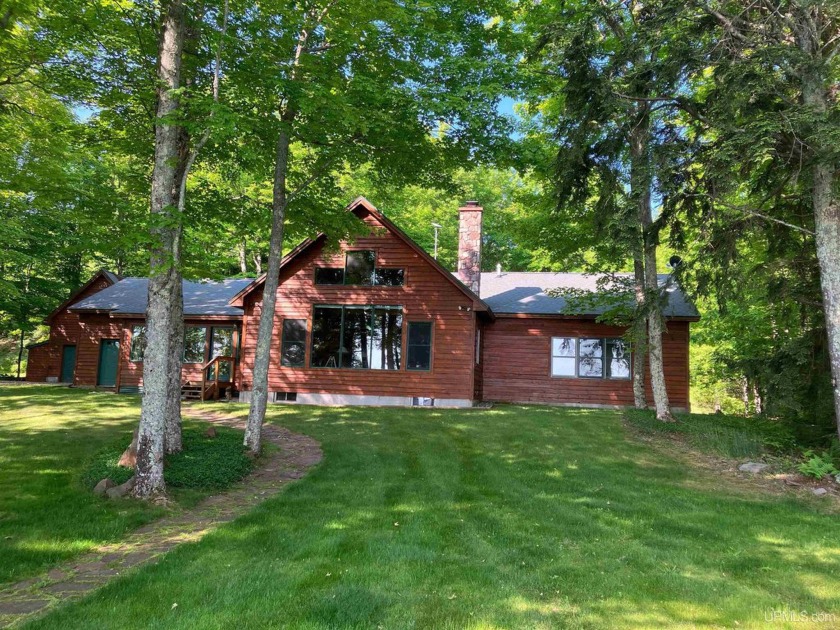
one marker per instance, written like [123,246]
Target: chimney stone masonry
[469,245]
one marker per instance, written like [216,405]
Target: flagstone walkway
[35,596]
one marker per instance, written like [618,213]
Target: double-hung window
[195,343]
[357,337]
[293,343]
[590,357]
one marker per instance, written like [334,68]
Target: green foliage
[817,466]
[732,436]
[204,463]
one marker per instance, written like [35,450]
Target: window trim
[131,344]
[376,266]
[370,308]
[283,341]
[204,352]
[606,358]
[431,323]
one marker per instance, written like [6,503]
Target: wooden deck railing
[213,378]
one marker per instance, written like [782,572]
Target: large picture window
[357,337]
[419,351]
[590,357]
[195,341]
[138,343]
[360,270]
[293,344]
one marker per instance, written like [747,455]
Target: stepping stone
[753,467]
[22,607]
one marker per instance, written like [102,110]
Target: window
[293,344]
[618,352]
[590,357]
[563,356]
[195,340]
[329,275]
[419,346]
[358,267]
[357,337]
[389,277]
[138,343]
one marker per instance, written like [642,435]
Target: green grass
[50,438]
[730,436]
[524,517]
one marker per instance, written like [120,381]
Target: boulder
[211,432]
[837,478]
[820,492]
[103,486]
[121,490]
[753,467]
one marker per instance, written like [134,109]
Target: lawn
[527,517]
[49,440]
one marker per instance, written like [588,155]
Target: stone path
[295,455]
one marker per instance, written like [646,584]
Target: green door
[68,364]
[109,353]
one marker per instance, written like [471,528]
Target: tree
[165,303]
[600,69]
[773,102]
[367,83]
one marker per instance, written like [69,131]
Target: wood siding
[425,296]
[517,364]
[65,329]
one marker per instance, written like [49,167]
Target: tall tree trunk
[258,263]
[259,390]
[20,353]
[243,259]
[640,184]
[164,276]
[639,347]
[815,87]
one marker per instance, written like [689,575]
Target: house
[373,321]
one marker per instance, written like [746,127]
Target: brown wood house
[374,321]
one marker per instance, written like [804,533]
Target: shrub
[204,463]
[817,466]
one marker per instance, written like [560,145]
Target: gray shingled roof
[524,292]
[128,296]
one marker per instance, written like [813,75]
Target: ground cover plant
[50,438]
[516,516]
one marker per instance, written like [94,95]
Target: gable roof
[130,296]
[362,204]
[109,276]
[526,293]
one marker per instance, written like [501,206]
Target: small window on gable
[359,267]
[389,277]
[293,344]
[138,343]
[329,275]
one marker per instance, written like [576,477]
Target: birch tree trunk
[259,389]
[164,276]
[640,184]
[243,260]
[639,346]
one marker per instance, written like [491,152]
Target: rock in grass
[120,491]
[820,492]
[753,467]
[211,432]
[102,487]
[837,479]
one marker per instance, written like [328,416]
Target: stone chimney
[469,245]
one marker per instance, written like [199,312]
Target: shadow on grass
[513,517]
